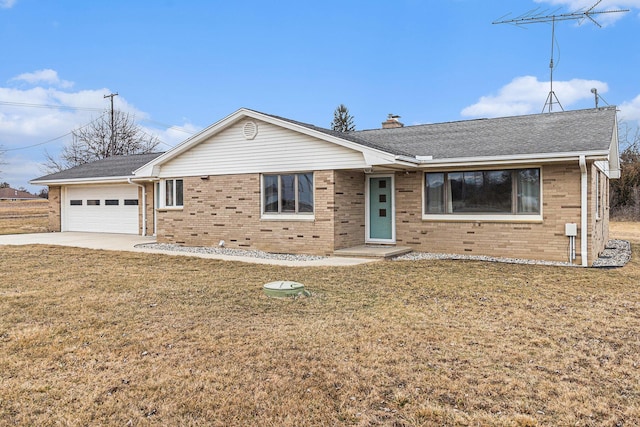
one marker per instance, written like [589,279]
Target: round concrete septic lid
[284,288]
[283,285]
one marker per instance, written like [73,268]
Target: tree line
[624,194]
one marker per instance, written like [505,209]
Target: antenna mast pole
[552,95]
[534,17]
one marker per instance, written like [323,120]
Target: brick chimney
[392,122]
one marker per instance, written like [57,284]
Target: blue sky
[180,66]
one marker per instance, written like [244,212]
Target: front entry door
[381,216]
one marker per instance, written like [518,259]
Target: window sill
[170,208]
[484,218]
[287,217]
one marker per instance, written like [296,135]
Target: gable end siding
[273,149]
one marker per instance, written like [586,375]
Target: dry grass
[106,338]
[625,230]
[24,216]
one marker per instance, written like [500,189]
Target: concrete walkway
[128,242]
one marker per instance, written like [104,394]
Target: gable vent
[250,130]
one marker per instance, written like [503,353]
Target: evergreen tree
[342,120]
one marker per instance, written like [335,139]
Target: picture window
[493,192]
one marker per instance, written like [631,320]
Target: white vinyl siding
[98,211]
[273,150]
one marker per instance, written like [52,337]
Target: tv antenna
[536,16]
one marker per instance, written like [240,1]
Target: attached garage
[101,208]
[100,197]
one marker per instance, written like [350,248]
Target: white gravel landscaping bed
[616,254]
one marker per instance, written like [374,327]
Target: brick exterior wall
[55,217]
[531,240]
[228,208]
[349,209]
[149,206]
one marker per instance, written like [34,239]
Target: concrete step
[373,251]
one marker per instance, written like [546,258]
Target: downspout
[583,211]
[144,206]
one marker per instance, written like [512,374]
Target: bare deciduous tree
[625,192]
[101,139]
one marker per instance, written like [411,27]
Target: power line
[63,107]
[53,139]
[55,107]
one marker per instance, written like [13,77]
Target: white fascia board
[525,158]
[93,180]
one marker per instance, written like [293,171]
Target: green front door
[380,209]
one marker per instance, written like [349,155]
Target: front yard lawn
[113,338]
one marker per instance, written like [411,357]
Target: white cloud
[7,4]
[30,118]
[630,110]
[47,76]
[172,136]
[18,170]
[526,95]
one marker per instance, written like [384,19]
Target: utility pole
[112,141]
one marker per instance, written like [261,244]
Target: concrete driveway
[128,242]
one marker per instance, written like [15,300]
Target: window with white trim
[483,192]
[287,194]
[173,193]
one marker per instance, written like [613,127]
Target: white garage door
[101,209]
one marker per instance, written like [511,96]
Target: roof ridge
[609,107]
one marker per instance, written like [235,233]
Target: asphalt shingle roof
[12,193]
[575,131]
[562,132]
[355,136]
[116,166]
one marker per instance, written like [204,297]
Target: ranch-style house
[533,186]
